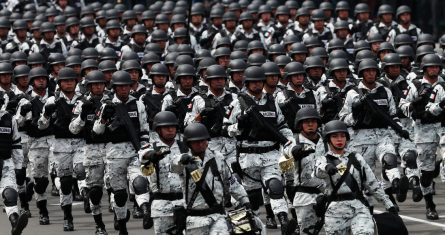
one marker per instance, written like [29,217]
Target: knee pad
[120,197]
[140,185]
[40,185]
[80,172]
[95,195]
[426,178]
[10,197]
[275,188]
[66,184]
[255,198]
[389,161]
[410,158]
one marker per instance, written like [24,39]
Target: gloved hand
[87,107]
[404,134]
[20,176]
[186,159]
[299,152]
[393,210]
[108,112]
[327,102]
[26,108]
[243,121]
[331,169]
[49,109]
[357,106]
[155,156]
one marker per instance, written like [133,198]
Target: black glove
[299,152]
[20,176]
[327,102]
[87,107]
[108,112]
[243,121]
[393,210]
[405,134]
[186,159]
[247,205]
[155,156]
[331,169]
[49,109]
[357,106]
[26,108]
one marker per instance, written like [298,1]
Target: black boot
[389,192]
[86,200]
[293,213]
[100,226]
[68,218]
[24,204]
[400,188]
[76,193]
[54,191]
[285,228]
[431,212]
[137,212]
[122,227]
[270,218]
[116,222]
[29,189]
[414,183]
[148,221]
[43,211]
[18,223]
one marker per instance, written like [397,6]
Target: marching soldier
[405,26]
[49,44]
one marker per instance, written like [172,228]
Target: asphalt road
[412,213]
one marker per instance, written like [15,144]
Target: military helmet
[282,60]
[405,51]
[402,9]
[341,24]
[290,39]
[88,63]
[130,65]
[148,15]
[342,5]
[139,29]
[425,39]
[367,64]
[336,43]
[128,15]
[112,24]
[216,71]
[164,118]
[361,8]
[36,58]
[391,59]
[238,55]
[73,60]
[431,60]
[95,76]
[18,56]
[264,9]
[196,132]
[67,73]
[375,37]
[90,53]
[361,45]
[271,68]
[334,126]
[317,15]
[294,68]
[245,16]
[338,54]
[337,64]
[320,52]
[5,68]
[254,73]
[108,53]
[305,114]
[276,49]
[326,6]
[423,50]
[107,65]
[385,9]
[256,59]
[170,58]
[185,70]
[403,39]
[121,77]
[229,16]
[159,69]
[86,22]
[312,41]
[150,58]
[184,59]
[56,58]
[282,10]
[386,46]
[37,72]
[47,27]
[19,24]
[237,65]
[71,22]
[298,48]
[159,35]
[302,12]
[240,45]
[313,62]
[205,63]
[21,70]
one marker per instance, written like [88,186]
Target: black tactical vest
[31,126]
[294,103]
[89,135]
[330,113]
[240,36]
[47,51]
[64,115]
[117,49]
[153,104]
[411,32]
[137,49]
[384,31]
[380,97]
[119,133]
[86,44]
[6,136]
[216,116]
[180,107]
[419,111]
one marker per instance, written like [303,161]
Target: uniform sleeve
[345,113]
[282,124]
[405,103]
[167,101]
[18,117]
[433,105]
[99,127]
[175,166]
[280,97]
[144,136]
[198,105]
[231,118]
[320,166]
[17,152]
[43,121]
[77,124]
[391,103]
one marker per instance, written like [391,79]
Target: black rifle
[123,119]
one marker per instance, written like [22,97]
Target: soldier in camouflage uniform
[347,214]
[164,184]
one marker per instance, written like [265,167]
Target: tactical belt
[167,196]
[344,197]
[259,149]
[218,209]
[305,189]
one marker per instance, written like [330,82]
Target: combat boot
[270,219]
[122,227]
[100,226]
[86,200]
[137,212]
[148,221]
[285,228]
[43,211]
[18,223]
[431,212]
[415,185]
[389,192]
[401,187]
[24,204]
[68,218]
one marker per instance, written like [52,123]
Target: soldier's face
[140,38]
[122,91]
[224,61]
[21,33]
[405,18]
[301,57]
[297,79]
[393,71]
[5,79]
[36,34]
[247,24]
[89,31]
[386,18]
[338,140]
[375,46]
[255,87]
[369,75]
[159,80]
[76,68]
[167,133]
[217,83]
[196,19]
[283,18]
[315,72]
[56,68]
[309,126]
[341,75]
[265,17]
[186,82]
[114,33]
[60,29]
[177,26]
[405,61]
[272,81]
[327,13]
[237,77]
[343,14]
[230,24]
[131,23]
[217,21]
[97,88]
[134,74]
[163,27]
[342,33]
[68,85]
[23,81]
[432,72]
[48,36]
[62,3]
[3,32]
[303,20]
[40,83]
[108,75]
[74,29]
[319,25]
[363,16]
[149,24]
[198,147]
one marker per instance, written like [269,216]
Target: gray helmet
[240,45]
[290,39]
[201,54]
[313,62]
[391,59]
[334,126]
[317,15]
[56,58]
[128,15]
[73,60]
[405,51]
[361,45]
[86,22]
[336,43]
[270,69]
[59,20]
[337,64]
[338,54]
[228,16]
[425,39]
[256,59]
[5,57]
[74,51]
[47,27]
[158,69]
[423,50]
[205,63]
[112,24]
[18,56]
[178,19]
[21,70]
[254,73]
[264,9]
[238,55]
[198,9]
[222,51]
[361,8]
[312,41]
[36,58]
[245,16]
[184,49]
[5,68]
[150,58]
[308,5]
[121,78]
[37,72]
[95,76]
[107,65]
[402,9]
[320,52]
[305,114]
[130,65]
[111,14]
[159,35]
[4,23]
[375,37]
[367,64]
[326,6]
[71,22]
[170,58]
[164,118]
[196,132]
[19,24]
[162,19]
[184,70]
[282,10]
[148,15]
[282,60]
[153,47]
[216,71]
[254,45]
[342,5]
[298,48]
[431,60]
[276,49]
[184,59]
[51,12]
[139,29]
[216,13]
[341,24]
[67,73]
[223,41]
[386,46]
[294,68]
[88,63]
[403,39]
[385,9]
[364,54]
[90,53]
[237,65]
[302,12]
[108,53]
[87,10]
[129,55]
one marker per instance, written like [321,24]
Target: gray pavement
[412,213]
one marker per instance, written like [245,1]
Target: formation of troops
[200,114]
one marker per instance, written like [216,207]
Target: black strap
[340,181]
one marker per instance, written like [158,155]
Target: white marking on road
[418,220]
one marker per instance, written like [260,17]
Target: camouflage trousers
[8,181]
[38,155]
[162,224]
[348,217]
[214,224]
[306,216]
[122,160]
[94,170]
